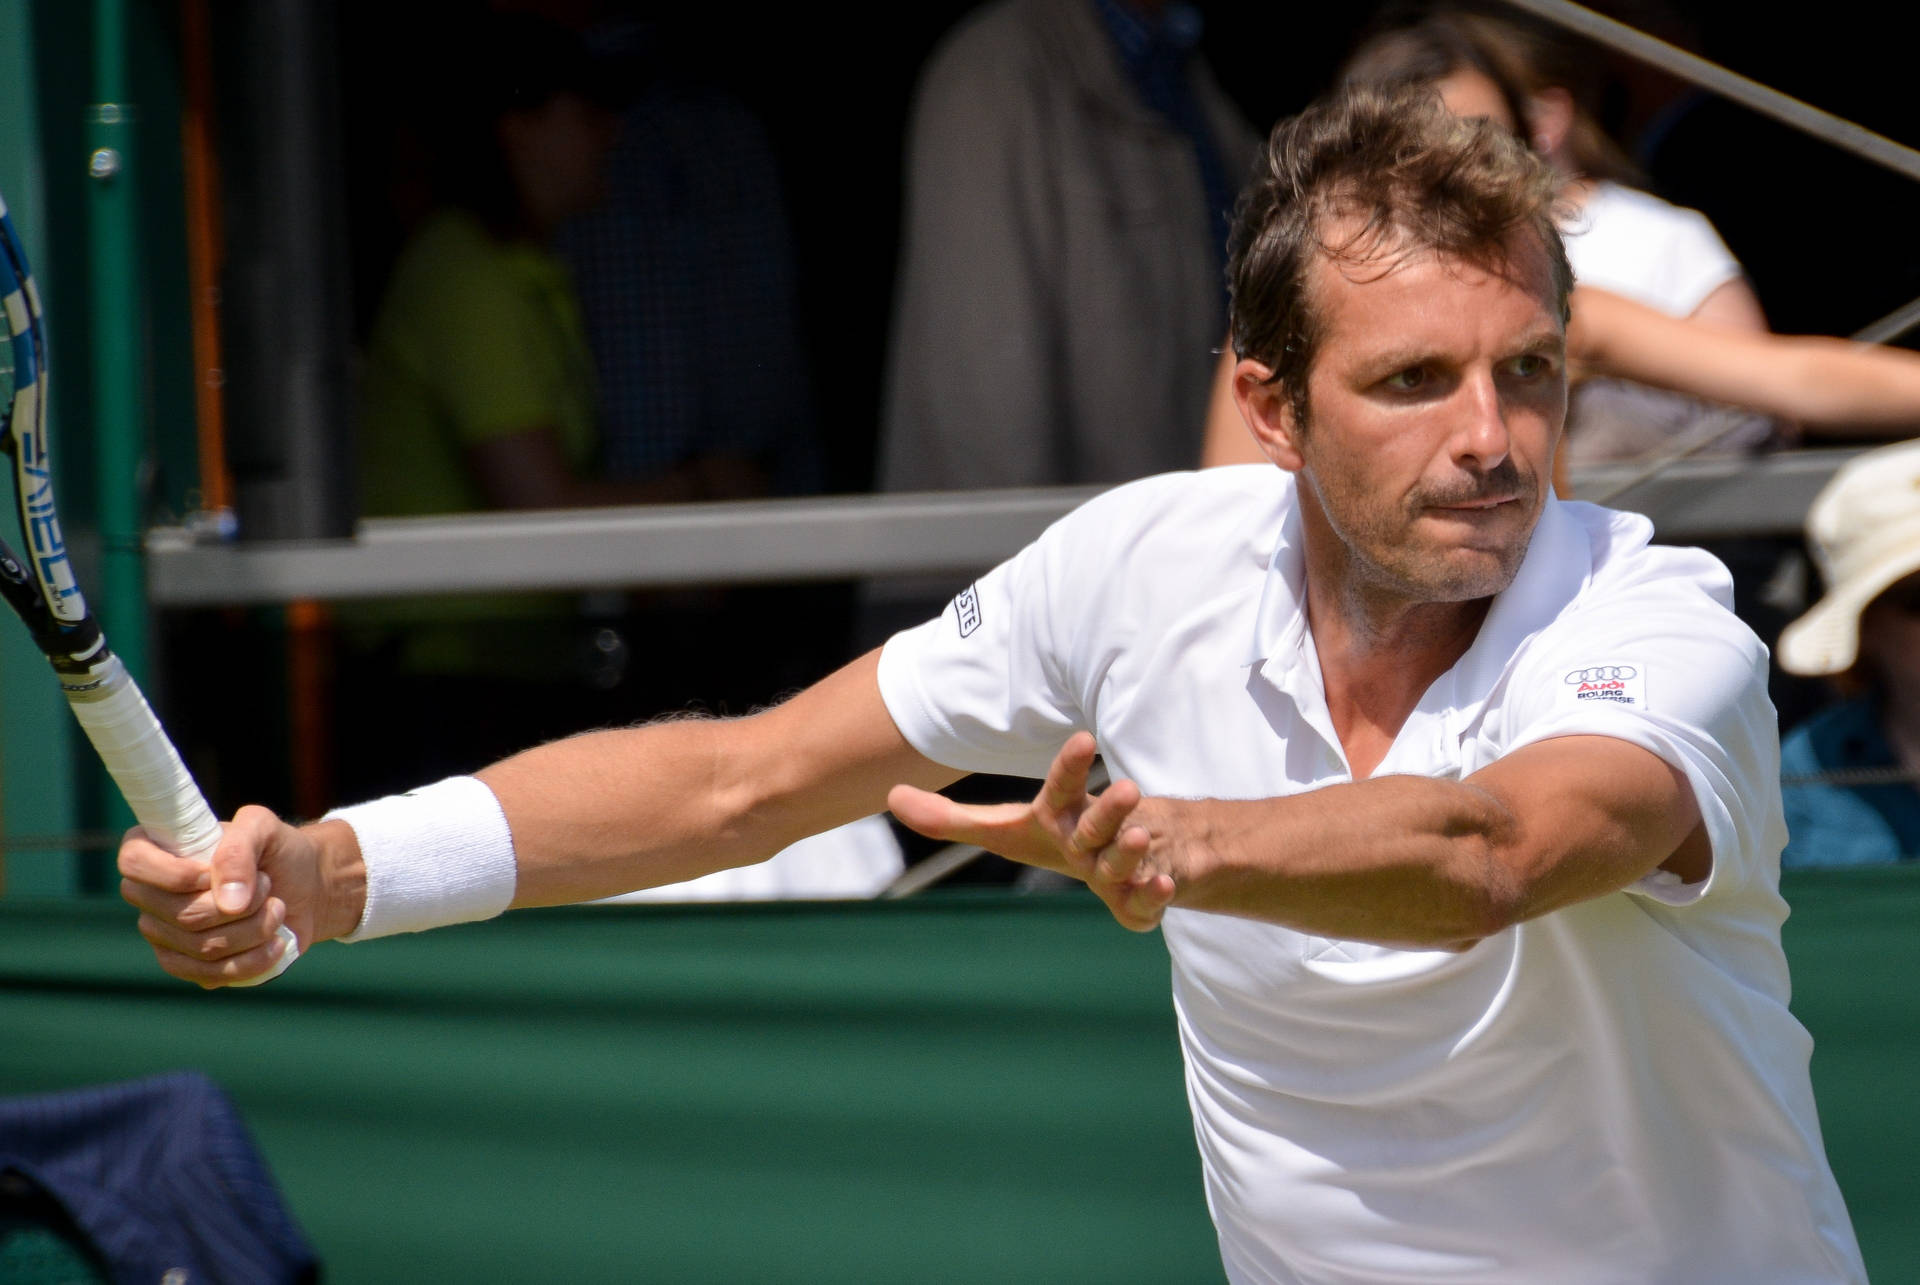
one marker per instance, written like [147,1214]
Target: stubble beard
[1384,565]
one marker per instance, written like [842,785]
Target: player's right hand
[215,922]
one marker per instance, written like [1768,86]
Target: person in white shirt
[1458,803]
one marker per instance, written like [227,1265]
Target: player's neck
[1378,655]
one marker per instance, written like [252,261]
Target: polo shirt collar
[1557,567]
[1280,625]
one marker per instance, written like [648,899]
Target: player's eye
[1408,380]
[1532,366]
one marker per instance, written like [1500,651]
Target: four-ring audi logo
[1603,674]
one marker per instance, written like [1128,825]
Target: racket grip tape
[155,783]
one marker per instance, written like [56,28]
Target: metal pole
[118,357]
[1843,134]
[286,311]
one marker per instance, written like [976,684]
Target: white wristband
[438,855]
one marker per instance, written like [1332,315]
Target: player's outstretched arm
[609,812]
[589,817]
[1413,861]
[1399,860]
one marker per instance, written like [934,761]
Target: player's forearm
[613,811]
[1401,860]
[608,812]
[596,815]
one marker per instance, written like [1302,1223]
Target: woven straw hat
[1864,533]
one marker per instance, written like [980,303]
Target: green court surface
[969,1087]
[960,1089]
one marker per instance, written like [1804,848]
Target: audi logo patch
[1603,674]
[1616,683]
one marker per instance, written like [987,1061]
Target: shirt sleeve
[1012,667]
[1667,667]
[981,686]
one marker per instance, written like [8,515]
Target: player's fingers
[939,817]
[1100,823]
[193,911]
[1145,904]
[212,973]
[236,860]
[1064,792]
[146,862]
[1122,860]
[215,944]
[1138,906]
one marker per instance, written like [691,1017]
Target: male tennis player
[1480,978]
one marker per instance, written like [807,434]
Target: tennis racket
[42,590]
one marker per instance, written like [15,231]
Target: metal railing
[844,538]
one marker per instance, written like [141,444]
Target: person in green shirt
[479,394]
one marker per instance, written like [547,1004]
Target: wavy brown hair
[1405,175]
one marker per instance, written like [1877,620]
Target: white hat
[1864,532]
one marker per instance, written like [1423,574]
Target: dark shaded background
[1824,237]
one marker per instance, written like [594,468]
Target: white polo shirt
[1614,1092]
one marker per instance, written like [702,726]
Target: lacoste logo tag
[967,608]
[1618,684]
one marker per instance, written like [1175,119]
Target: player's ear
[1267,406]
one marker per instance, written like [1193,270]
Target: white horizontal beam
[843,538]
[758,541]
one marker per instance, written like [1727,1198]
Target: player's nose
[1481,439]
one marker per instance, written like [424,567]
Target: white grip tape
[155,783]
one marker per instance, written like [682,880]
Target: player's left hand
[1065,829]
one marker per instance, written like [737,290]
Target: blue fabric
[1156,55]
[1836,825]
[685,277]
[161,1174]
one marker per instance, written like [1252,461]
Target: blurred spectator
[479,393]
[1539,83]
[479,389]
[1071,170]
[1071,173]
[685,275]
[1864,532]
